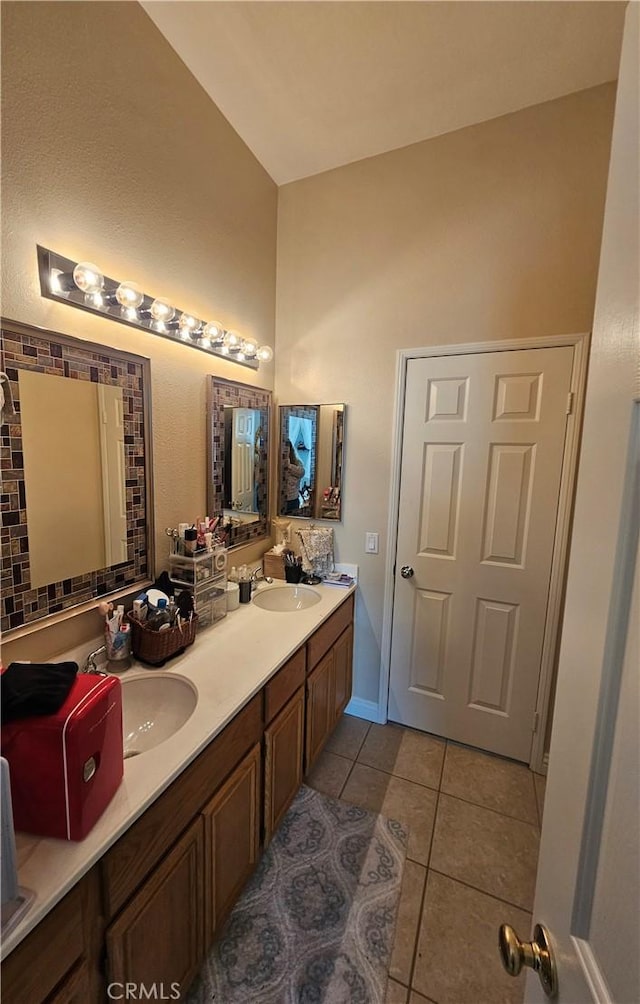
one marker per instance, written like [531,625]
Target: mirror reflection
[77,494]
[238,461]
[311,461]
[73,453]
[243,434]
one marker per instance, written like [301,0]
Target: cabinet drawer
[320,642]
[128,863]
[285,683]
[41,961]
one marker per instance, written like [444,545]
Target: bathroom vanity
[143,896]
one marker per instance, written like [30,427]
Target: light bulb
[54,280]
[231,339]
[249,347]
[213,331]
[88,277]
[265,354]
[161,310]
[129,295]
[187,322]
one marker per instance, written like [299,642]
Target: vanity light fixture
[83,285]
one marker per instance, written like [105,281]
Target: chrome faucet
[258,575]
[90,663]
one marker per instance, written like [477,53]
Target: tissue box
[65,768]
[273,565]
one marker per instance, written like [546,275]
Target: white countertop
[228,663]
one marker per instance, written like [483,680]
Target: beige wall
[113,153]
[487,233]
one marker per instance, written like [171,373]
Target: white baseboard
[369,710]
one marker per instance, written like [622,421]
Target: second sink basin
[286,599]
[154,707]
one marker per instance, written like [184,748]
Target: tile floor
[474,827]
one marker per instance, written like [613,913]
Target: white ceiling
[310,86]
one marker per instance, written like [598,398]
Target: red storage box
[66,768]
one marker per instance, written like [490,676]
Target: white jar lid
[153,595]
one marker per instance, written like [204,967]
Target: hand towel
[35,688]
[316,547]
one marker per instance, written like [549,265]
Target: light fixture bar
[81,284]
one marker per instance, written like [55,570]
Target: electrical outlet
[371,543]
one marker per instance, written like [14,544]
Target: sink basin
[154,707]
[286,599]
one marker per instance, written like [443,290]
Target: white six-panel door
[482,454]
[243,459]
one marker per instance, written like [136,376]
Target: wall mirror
[238,459]
[77,508]
[311,460]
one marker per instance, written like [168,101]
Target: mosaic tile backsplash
[29,348]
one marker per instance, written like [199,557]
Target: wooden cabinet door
[232,840]
[342,661]
[284,741]
[320,705]
[75,989]
[158,937]
[40,962]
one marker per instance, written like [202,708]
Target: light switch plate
[371,542]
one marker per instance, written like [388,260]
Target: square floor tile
[457,960]
[329,773]
[406,753]
[366,787]
[411,804]
[491,781]
[407,921]
[348,736]
[487,850]
[417,998]
[396,993]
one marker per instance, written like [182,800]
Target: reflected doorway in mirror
[312,441]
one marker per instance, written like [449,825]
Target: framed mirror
[311,444]
[238,459]
[77,508]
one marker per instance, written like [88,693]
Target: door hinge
[536,721]
[570,397]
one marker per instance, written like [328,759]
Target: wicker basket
[273,565]
[155,647]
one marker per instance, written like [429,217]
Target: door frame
[580,344]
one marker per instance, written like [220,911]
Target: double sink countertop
[228,663]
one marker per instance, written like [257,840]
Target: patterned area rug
[315,923]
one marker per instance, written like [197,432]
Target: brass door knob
[406,571]
[536,954]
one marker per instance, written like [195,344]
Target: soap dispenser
[244,582]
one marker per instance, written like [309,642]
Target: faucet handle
[90,663]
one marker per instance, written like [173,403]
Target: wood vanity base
[148,910]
